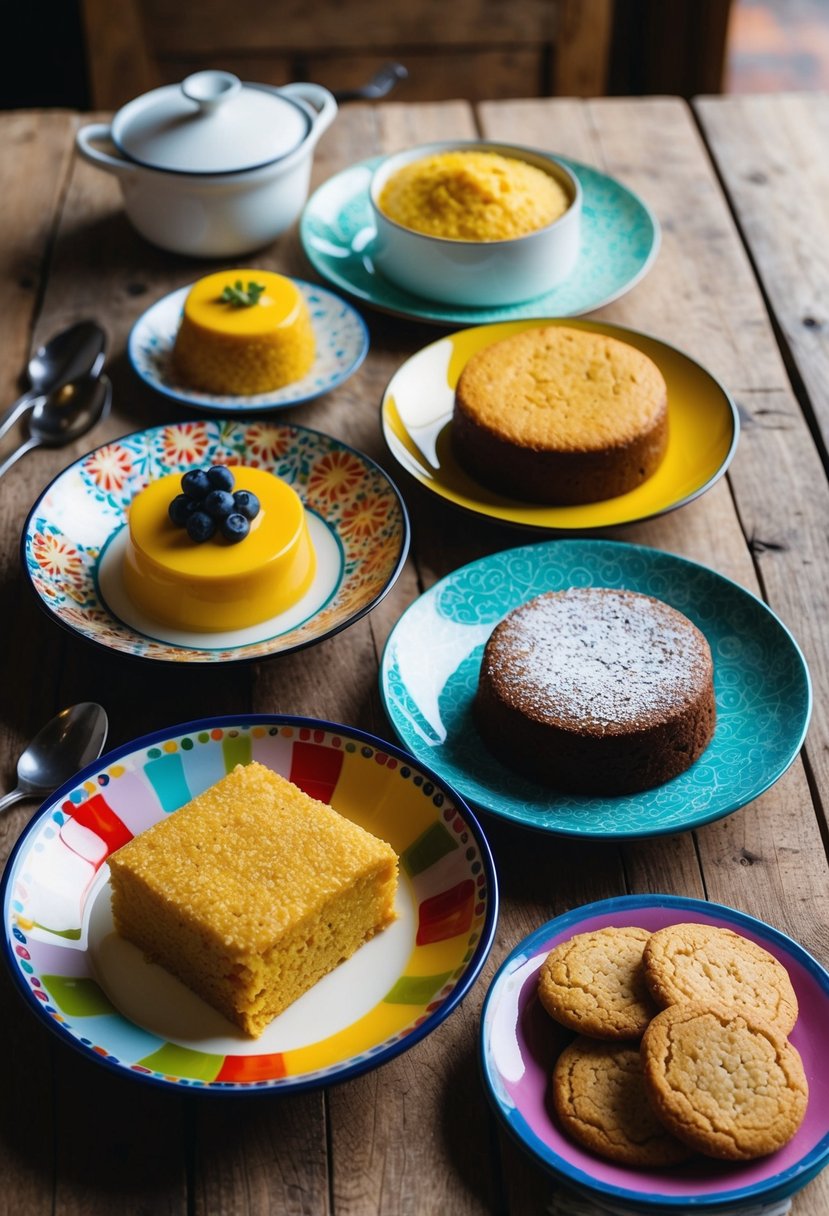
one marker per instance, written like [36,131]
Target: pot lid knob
[210,89]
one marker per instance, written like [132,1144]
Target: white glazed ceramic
[233,175]
[477,273]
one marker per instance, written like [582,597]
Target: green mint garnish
[237,297]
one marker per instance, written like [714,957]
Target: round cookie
[596,690]
[599,1098]
[723,1081]
[693,962]
[593,984]
[561,416]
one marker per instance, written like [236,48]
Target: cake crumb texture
[251,892]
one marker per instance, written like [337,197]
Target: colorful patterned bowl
[75,531]
[96,991]
[518,1052]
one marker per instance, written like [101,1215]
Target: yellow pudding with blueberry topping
[218,586]
[238,341]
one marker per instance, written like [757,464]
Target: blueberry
[246,504]
[195,483]
[218,504]
[234,527]
[180,509]
[220,477]
[200,526]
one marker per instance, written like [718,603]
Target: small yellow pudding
[218,586]
[227,345]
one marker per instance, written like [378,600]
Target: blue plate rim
[431,312]
[650,554]
[474,967]
[236,404]
[777,1188]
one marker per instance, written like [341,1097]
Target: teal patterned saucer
[761,684]
[620,239]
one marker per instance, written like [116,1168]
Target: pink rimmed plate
[98,993]
[74,537]
[518,1048]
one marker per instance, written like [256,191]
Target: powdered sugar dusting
[598,656]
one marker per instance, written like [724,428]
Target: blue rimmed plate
[760,678]
[341,338]
[620,239]
[74,537]
[518,1047]
[98,993]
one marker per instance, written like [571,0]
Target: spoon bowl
[71,354]
[71,740]
[64,415]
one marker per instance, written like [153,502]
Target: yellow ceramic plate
[417,416]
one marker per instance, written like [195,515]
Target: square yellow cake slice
[252,892]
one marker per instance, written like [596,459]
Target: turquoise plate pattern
[341,338]
[761,684]
[620,239]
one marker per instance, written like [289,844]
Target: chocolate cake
[596,690]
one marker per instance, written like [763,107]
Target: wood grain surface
[416,1136]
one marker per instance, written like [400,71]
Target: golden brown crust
[725,1082]
[599,1098]
[560,416]
[695,962]
[593,984]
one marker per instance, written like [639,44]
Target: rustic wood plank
[32,180]
[581,51]
[701,295]
[118,57]
[370,23]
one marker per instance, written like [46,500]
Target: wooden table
[740,186]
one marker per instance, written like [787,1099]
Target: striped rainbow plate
[98,993]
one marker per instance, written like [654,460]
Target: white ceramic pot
[477,273]
[212,167]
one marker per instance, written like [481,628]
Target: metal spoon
[64,415]
[74,352]
[73,739]
[380,84]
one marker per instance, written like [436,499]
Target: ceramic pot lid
[210,123]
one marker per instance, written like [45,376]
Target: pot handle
[100,132]
[320,99]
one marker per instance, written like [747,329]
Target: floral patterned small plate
[761,683]
[98,993]
[342,344]
[76,530]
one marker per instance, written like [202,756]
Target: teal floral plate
[74,539]
[620,239]
[761,684]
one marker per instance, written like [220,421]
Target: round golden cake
[596,691]
[560,416]
[225,345]
[217,586]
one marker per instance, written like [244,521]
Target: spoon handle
[11,797]
[15,411]
[16,454]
